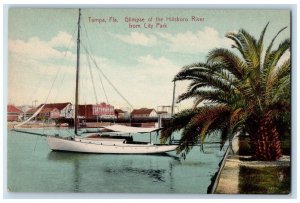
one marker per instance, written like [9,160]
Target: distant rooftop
[142,111]
[13,109]
[59,106]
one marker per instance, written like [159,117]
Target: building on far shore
[101,110]
[163,114]
[64,109]
[166,111]
[24,108]
[144,113]
[85,111]
[13,113]
[45,113]
[51,111]
[104,110]
[119,113]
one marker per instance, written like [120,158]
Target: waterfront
[33,167]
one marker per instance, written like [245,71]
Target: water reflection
[155,174]
[64,156]
[156,168]
[71,156]
[171,177]
[77,176]
[45,171]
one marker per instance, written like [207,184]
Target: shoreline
[40,125]
[10,125]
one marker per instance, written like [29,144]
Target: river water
[33,167]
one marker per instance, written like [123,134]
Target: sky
[139,62]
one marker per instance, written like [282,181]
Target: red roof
[13,109]
[119,111]
[59,106]
[103,105]
[46,110]
[32,111]
[141,111]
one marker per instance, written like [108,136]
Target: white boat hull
[108,146]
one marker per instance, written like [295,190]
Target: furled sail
[33,116]
[127,129]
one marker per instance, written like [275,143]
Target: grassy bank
[241,175]
[264,180]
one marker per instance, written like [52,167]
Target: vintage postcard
[151,101]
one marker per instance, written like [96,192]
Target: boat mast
[77,76]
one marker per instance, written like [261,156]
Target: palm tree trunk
[266,144]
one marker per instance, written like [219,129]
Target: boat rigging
[103,142]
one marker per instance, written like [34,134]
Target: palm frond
[201,124]
[190,71]
[217,96]
[228,61]
[267,55]
[273,76]
[250,50]
[282,92]
[197,101]
[274,57]
[237,43]
[260,41]
[235,116]
[178,121]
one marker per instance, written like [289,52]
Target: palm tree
[247,91]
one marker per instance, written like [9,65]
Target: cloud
[146,84]
[156,75]
[34,63]
[183,42]
[160,62]
[63,39]
[35,48]
[137,38]
[194,42]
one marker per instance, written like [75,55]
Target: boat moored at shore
[105,146]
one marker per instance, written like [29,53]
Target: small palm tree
[244,92]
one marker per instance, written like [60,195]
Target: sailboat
[97,143]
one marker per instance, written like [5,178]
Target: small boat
[101,142]
[103,146]
[96,143]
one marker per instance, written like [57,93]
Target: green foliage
[264,180]
[238,87]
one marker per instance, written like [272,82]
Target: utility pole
[34,101]
[173,101]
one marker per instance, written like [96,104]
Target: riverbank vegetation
[264,180]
